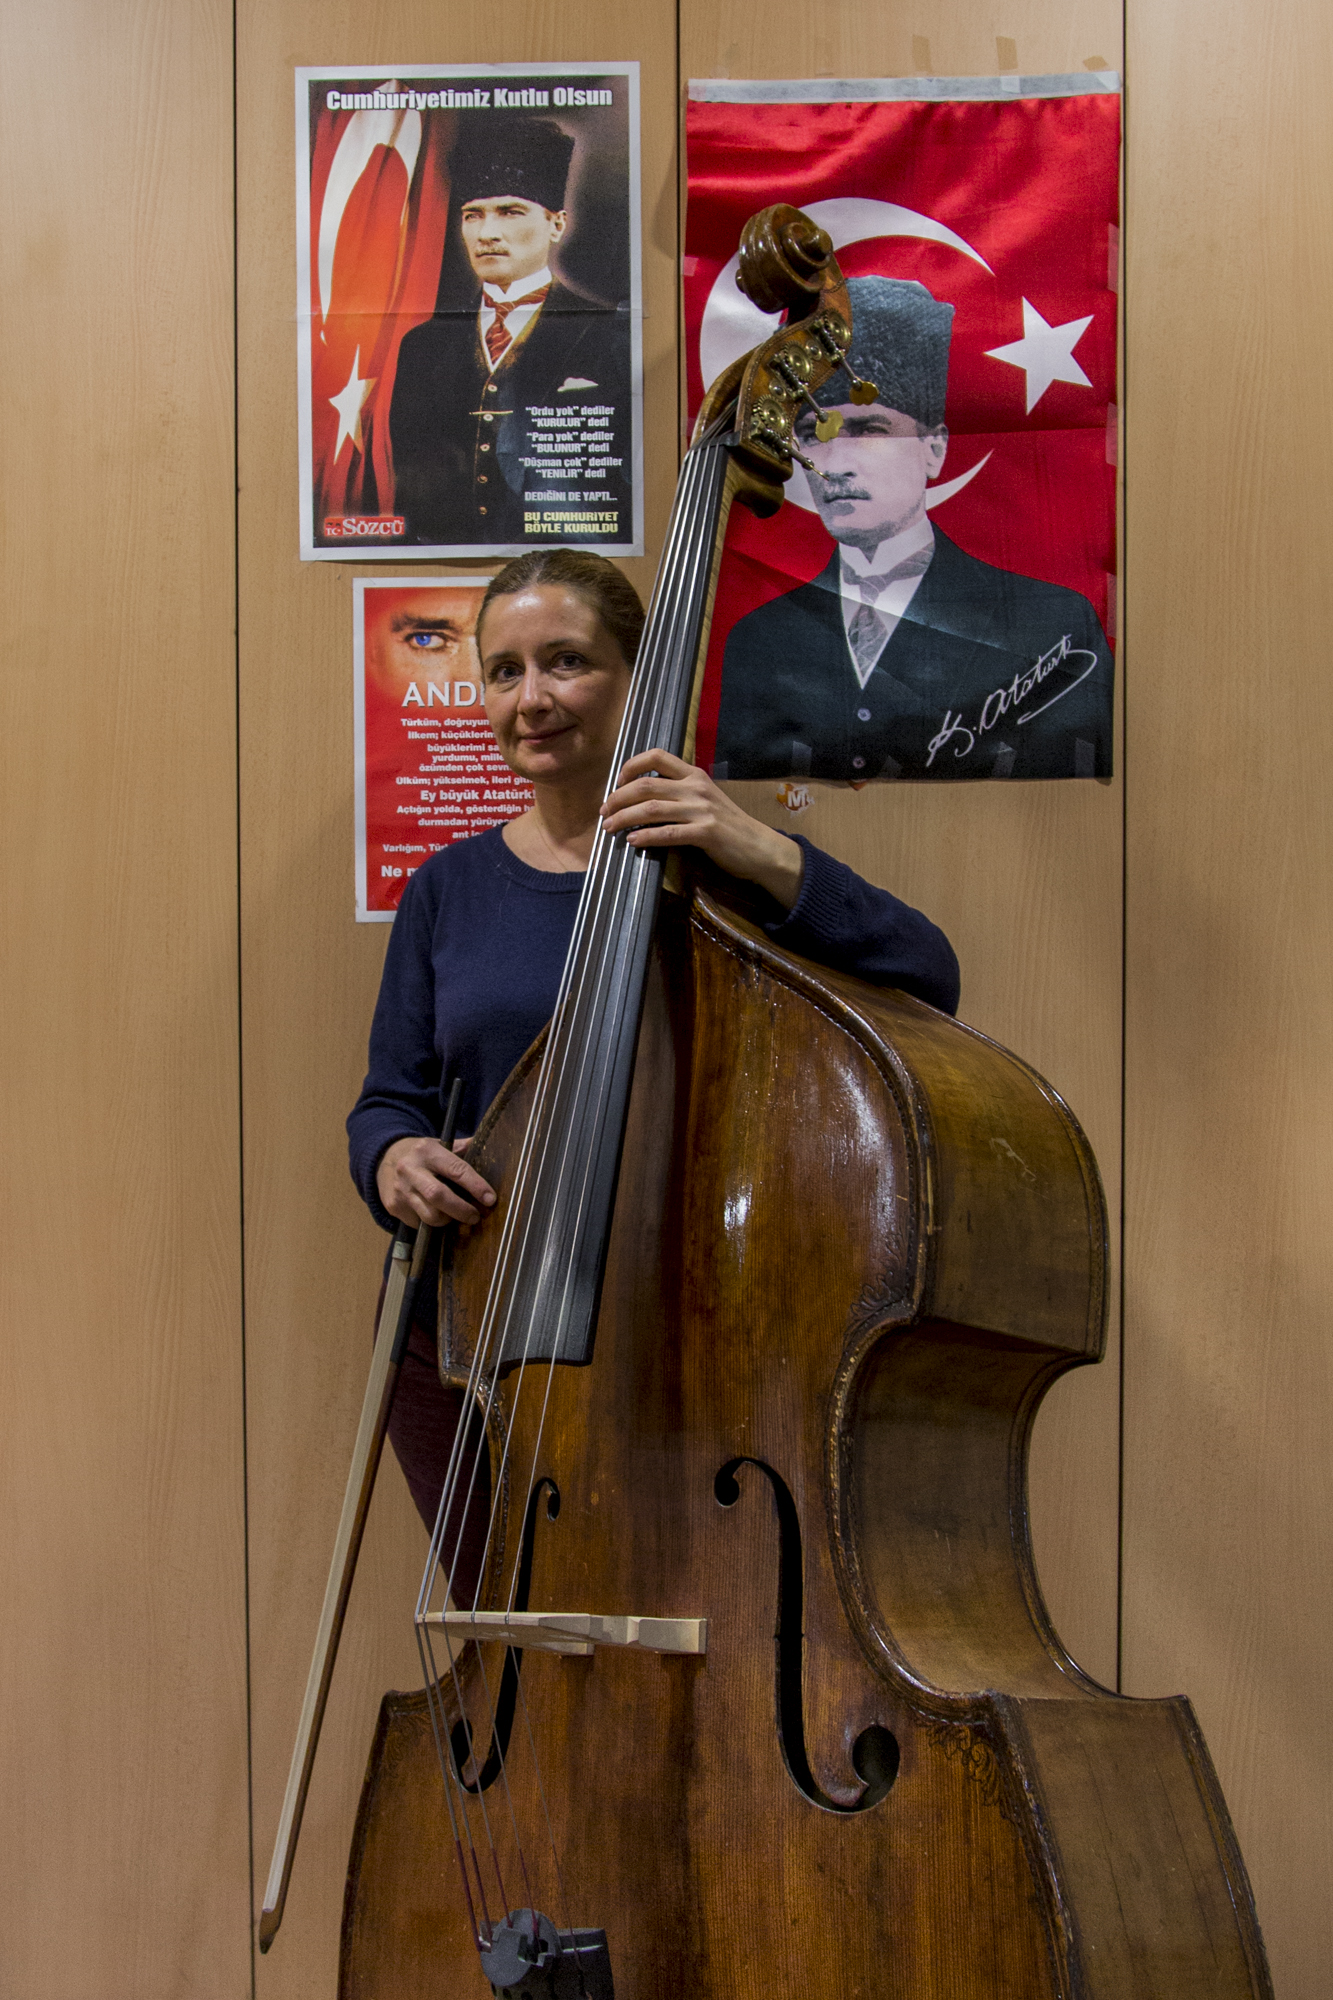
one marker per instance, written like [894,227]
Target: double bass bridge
[578,1633]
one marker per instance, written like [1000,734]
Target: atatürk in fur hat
[524,157]
[900,340]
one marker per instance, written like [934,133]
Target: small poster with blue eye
[469,306]
[427,768]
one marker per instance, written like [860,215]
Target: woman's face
[554,682]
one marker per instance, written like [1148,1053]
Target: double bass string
[439,1721]
[586,961]
[621,891]
[523,1208]
[584,967]
[632,879]
[439,1726]
[587,965]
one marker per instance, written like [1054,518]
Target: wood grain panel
[1229,1388]
[310,973]
[123,1842]
[858,38]
[1026,879]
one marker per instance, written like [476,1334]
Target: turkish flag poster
[935,598]
[428,771]
[469,310]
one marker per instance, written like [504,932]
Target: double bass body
[853,1245]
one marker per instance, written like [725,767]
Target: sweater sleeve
[842,921]
[400,1097]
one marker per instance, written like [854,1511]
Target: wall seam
[1124,846]
[240,987]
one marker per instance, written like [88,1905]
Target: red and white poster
[469,308]
[427,769]
[935,601]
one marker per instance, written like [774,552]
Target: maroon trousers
[422,1426]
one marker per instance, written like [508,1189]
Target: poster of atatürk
[935,599]
[469,309]
[427,769]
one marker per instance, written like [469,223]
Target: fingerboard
[543,1300]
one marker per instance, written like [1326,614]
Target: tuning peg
[801,459]
[834,338]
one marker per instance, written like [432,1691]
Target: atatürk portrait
[511,415]
[907,657]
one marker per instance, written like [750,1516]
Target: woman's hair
[598,582]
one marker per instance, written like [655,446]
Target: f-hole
[875,1752]
[460,1739]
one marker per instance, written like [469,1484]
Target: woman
[479,942]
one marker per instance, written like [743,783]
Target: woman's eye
[568,662]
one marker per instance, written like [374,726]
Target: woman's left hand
[661,801]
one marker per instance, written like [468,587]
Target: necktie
[869,629]
[498,336]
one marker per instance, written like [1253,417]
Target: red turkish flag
[379,200]
[1007,208]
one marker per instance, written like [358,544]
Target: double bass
[755,1692]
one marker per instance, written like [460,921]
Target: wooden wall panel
[124,1843]
[123,1839]
[858,38]
[1026,880]
[310,973]
[1229,1077]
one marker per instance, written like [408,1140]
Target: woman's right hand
[419,1180]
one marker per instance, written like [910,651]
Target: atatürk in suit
[466,445]
[987,674]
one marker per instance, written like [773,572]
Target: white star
[1045,353]
[348,402]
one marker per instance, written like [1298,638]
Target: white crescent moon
[733,324]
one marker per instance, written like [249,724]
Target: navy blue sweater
[474,964]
